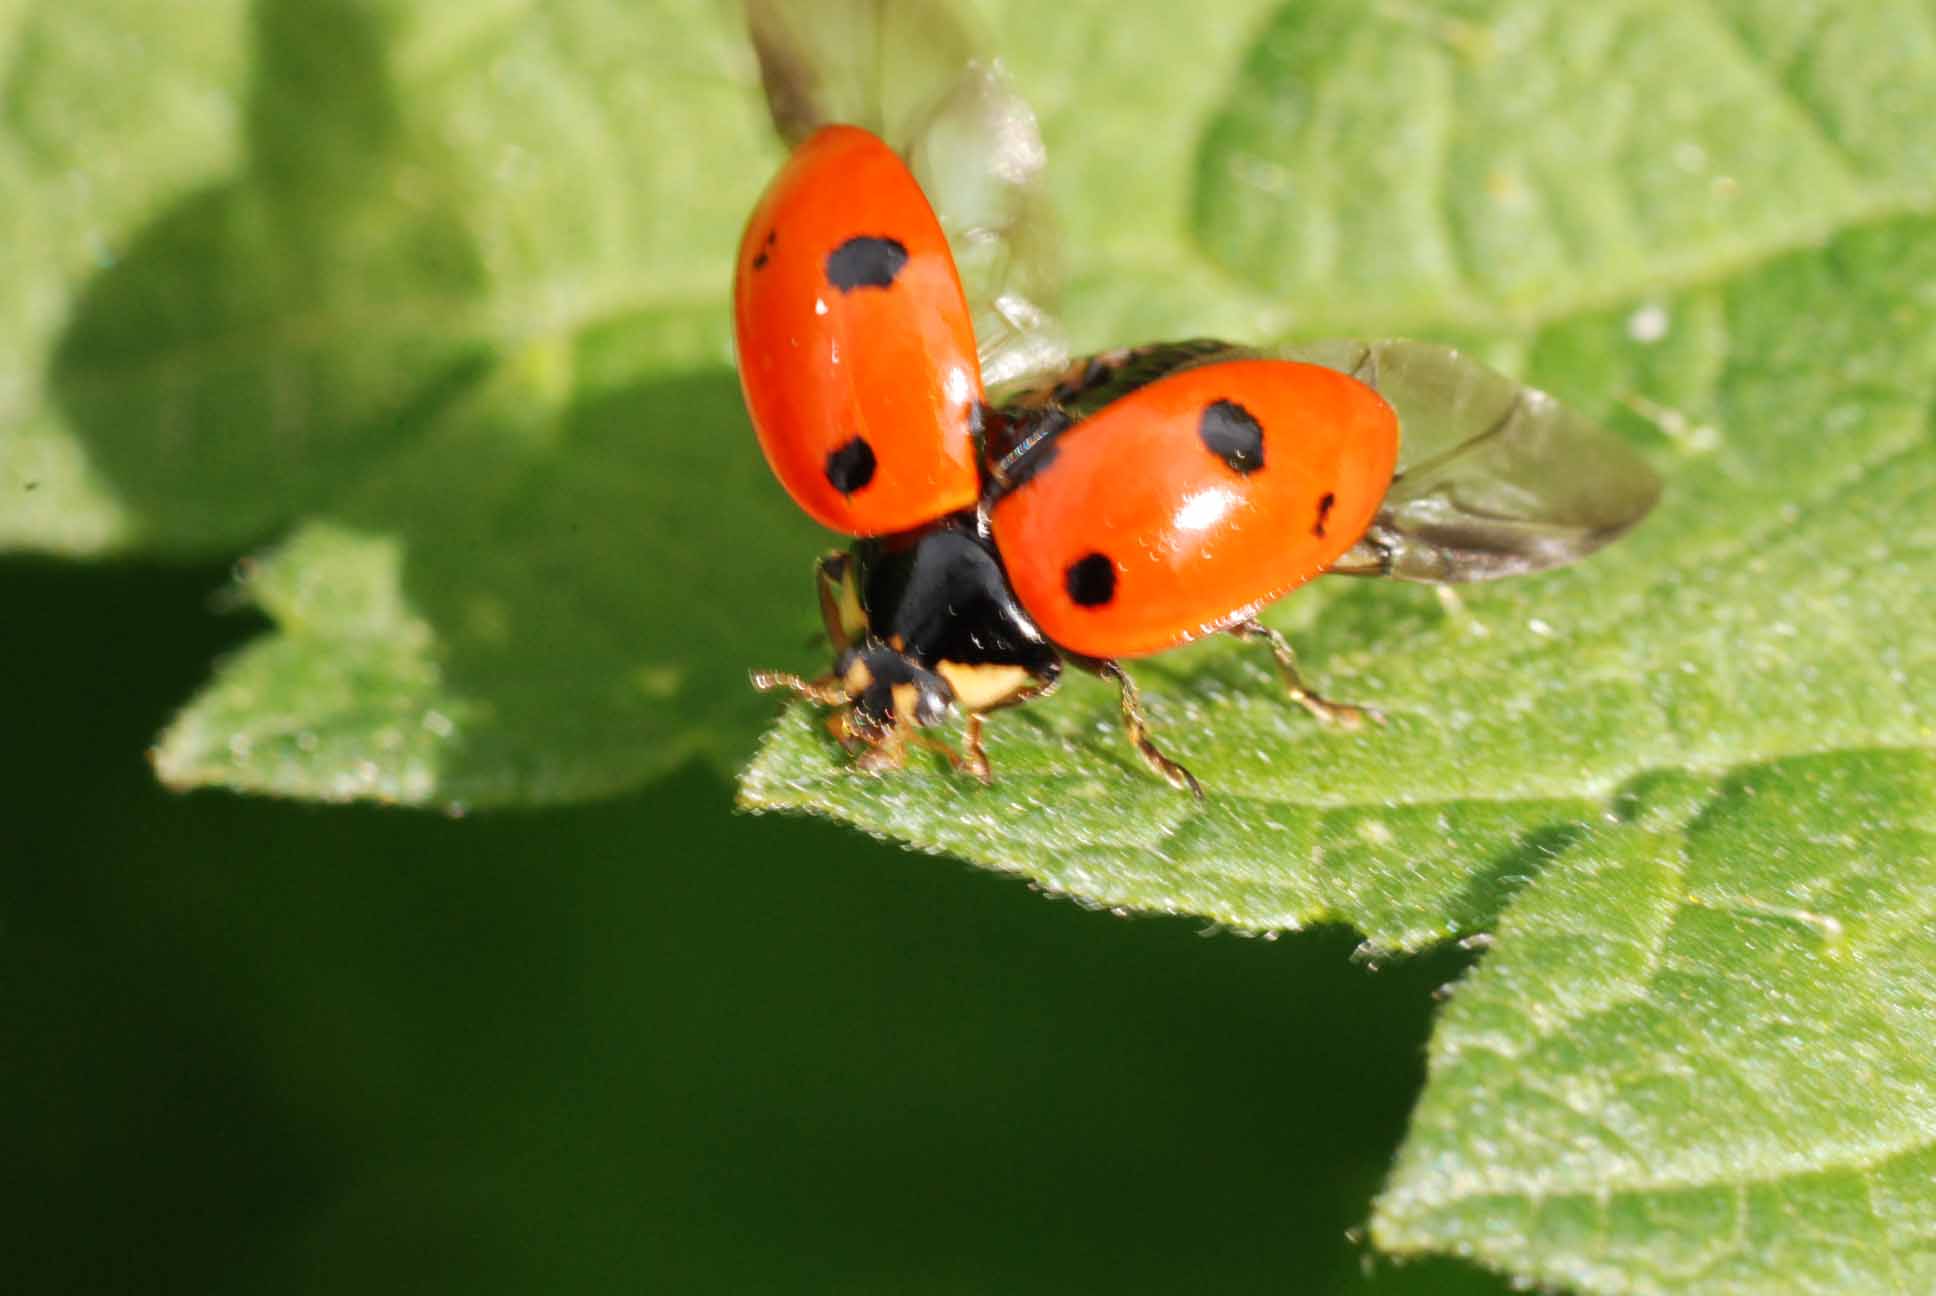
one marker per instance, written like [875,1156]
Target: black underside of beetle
[941,593]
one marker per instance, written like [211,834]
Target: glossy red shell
[856,346]
[1182,508]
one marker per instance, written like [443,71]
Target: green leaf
[1771,607]
[113,112]
[1688,782]
[1698,1059]
[421,189]
[506,614]
[435,292]
[1474,163]
[458,316]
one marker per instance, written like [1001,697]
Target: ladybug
[1132,502]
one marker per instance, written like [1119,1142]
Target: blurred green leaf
[259,252]
[1328,167]
[113,113]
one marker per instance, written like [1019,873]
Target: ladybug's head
[888,689]
[923,624]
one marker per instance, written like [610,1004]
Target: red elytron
[857,353]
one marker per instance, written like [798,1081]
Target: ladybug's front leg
[828,690]
[1342,714]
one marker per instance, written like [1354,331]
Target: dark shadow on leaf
[261,344]
[598,583]
[1491,887]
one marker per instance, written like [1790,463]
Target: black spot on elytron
[1091,580]
[1233,435]
[851,467]
[1324,512]
[759,260]
[865,262]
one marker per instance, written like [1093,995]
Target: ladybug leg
[885,753]
[975,756]
[955,759]
[1137,728]
[841,725]
[840,609]
[887,750]
[1342,714]
[828,690]
[880,749]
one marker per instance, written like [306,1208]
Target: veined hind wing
[911,72]
[1494,478]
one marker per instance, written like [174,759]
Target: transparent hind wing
[863,62]
[979,157]
[1494,478]
[910,72]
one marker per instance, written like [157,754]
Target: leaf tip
[176,756]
